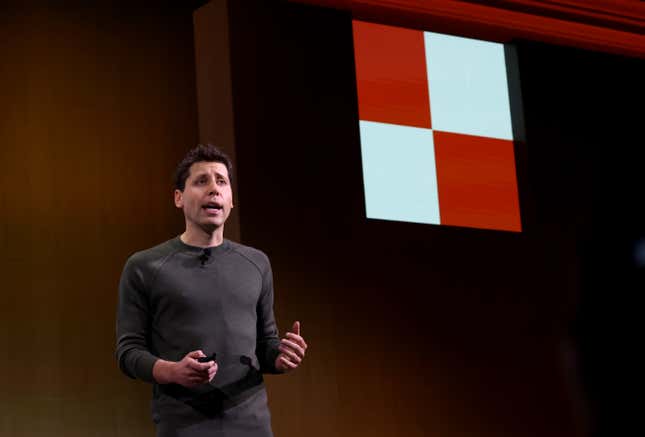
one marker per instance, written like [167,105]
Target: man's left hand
[292,350]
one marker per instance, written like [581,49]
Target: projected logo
[435,127]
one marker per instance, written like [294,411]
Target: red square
[477,182]
[392,81]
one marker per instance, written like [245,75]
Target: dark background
[414,329]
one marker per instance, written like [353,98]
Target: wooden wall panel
[215,92]
[98,105]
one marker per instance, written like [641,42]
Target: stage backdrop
[414,329]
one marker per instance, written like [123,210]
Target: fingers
[194,378]
[295,335]
[212,372]
[196,354]
[197,366]
[288,365]
[293,346]
[192,373]
[296,338]
[292,349]
[290,355]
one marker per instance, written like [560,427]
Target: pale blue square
[468,86]
[399,173]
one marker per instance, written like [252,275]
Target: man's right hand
[188,372]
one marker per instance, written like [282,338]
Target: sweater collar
[221,248]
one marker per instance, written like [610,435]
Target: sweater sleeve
[132,325]
[267,331]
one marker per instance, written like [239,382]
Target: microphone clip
[205,256]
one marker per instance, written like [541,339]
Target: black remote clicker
[208,358]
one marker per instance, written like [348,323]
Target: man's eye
[221,181]
[201,181]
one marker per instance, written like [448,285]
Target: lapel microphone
[205,255]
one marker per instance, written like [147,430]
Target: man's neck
[203,238]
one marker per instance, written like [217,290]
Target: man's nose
[213,188]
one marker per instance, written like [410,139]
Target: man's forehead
[208,167]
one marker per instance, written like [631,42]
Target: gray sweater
[172,302]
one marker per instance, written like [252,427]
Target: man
[200,294]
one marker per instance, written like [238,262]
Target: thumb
[296,328]
[196,354]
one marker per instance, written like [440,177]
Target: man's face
[207,198]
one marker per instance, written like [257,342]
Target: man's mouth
[212,207]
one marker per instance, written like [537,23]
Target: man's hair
[201,153]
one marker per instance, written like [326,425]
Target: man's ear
[179,199]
